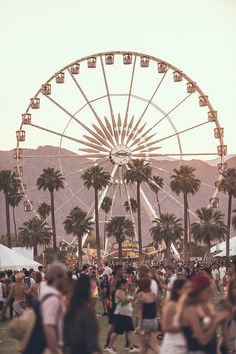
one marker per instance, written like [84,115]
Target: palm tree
[34,232]
[228,185]
[106,207]
[209,227]
[138,171]
[44,210]
[7,180]
[120,227]
[234,220]
[133,203]
[15,198]
[77,223]
[156,187]
[97,178]
[168,229]
[184,181]
[52,181]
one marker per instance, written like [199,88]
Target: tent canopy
[10,259]
[220,249]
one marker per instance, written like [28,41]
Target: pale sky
[37,38]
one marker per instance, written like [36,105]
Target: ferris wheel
[107,109]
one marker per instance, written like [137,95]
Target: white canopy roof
[220,249]
[10,259]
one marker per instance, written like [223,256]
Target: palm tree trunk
[159,205]
[228,225]
[35,248]
[208,255]
[14,221]
[120,251]
[185,227]
[80,257]
[168,252]
[8,220]
[139,221]
[54,238]
[97,228]
[104,236]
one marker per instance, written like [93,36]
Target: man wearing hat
[53,308]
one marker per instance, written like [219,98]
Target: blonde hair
[19,277]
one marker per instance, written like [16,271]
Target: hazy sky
[37,38]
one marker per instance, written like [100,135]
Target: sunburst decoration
[120,141]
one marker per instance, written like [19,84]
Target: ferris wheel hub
[120,155]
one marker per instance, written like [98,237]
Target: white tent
[10,259]
[220,249]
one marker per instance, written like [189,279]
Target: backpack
[33,342]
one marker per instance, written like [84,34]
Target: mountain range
[40,158]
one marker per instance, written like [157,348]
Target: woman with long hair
[174,340]
[198,324]
[147,317]
[80,325]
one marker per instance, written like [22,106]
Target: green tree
[78,224]
[168,229]
[120,227]
[138,171]
[44,210]
[133,203]
[156,187]
[98,179]
[228,185]
[51,181]
[34,232]
[7,180]
[184,181]
[210,227]
[15,197]
[106,207]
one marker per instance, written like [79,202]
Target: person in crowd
[170,278]
[174,340]
[122,317]
[222,273]
[107,270]
[147,317]
[3,296]
[53,307]
[80,325]
[35,288]
[111,305]
[104,293]
[229,326]
[19,290]
[144,271]
[216,277]
[198,325]
[41,270]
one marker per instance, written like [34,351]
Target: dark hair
[40,268]
[231,287]
[144,284]
[178,285]
[81,295]
[120,282]
[38,277]
[27,273]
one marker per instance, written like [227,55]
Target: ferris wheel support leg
[152,214]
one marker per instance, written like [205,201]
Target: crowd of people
[162,308]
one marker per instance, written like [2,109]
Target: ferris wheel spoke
[184,154]
[183,131]
[166,115]
[74,118]
[89,103]
[69,199]
[114,126]
[124,129]
[138,132]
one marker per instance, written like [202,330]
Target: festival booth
[130,250]
[220,249]
[11,260]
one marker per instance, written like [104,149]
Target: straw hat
[20,328]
